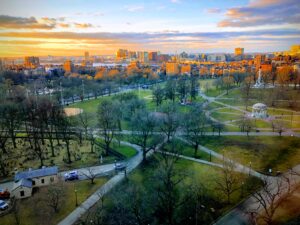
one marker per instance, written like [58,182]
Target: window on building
[22,193]
[33,182]
[42,181]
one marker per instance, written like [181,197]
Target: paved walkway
[238,167]
[92,200]
[240,214]
[97,170]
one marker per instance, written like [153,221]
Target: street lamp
[242,191]
[250,168]
[76,202]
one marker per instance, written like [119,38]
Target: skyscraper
[122,54]
[143,57]
[153,56]
[86,56]
[239,51]
[31,62]
[172,68]
[69,66]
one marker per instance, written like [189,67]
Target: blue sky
[68,27]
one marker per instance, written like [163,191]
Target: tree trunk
[68,151]
[195,150]
[52,147]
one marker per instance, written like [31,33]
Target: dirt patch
[72,111]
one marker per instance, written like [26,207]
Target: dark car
[73,175]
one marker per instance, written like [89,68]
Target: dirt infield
[72,111]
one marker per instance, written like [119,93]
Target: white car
[3,205]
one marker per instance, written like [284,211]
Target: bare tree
[229,181]
[169,120]
[84,119]
[55,196]
[144,123]
[270,197]
[167,189]
[246,90]
[109,116]
[90,174]
[194,124]
[158,95]
[245,124]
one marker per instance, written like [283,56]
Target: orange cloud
[83,25]
[11,22]
[63,25]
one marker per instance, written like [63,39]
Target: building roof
[48,171]
[23,183]
[259,106]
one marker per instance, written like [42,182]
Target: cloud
[83,25]
[213,10]
[11,22]
[148,37]
[63,25]
[134,8]
[263,12]
[72,43]
[176,1]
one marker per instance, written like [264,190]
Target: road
[92,200]
[240,214]
[97,170]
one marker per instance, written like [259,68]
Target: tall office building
[153,56]
[295,50]
[132,55]
[1,65]
[259,59]
[239,51]
[86,56]
[172,68]
[31,62]
[122,54]
[143,57]
[69,66]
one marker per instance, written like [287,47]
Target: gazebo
[259,110]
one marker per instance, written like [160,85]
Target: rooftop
[48,171]
[24,183]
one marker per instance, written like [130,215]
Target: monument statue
[259,83]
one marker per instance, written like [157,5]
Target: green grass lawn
[229,110]
[223,117]
[143,178]
[278,153]
[23,157]
[188,150]
[125,150]
[35,211]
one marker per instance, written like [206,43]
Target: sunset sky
[70,27]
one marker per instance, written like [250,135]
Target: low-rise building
[27,180]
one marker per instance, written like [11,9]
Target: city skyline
[65,28]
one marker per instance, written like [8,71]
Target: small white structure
[22,189]
[259,110]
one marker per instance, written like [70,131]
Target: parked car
[4,194]
[120,166]
[73,175]
[3,205]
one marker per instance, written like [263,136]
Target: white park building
[259,110]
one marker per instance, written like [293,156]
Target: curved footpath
[92,200]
